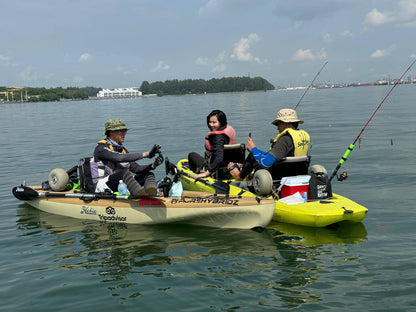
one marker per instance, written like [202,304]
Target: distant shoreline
[228,92]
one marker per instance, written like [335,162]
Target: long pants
[145,180]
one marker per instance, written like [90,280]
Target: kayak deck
[318,213]
[197,208]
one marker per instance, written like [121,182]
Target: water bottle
[122,188]
[305,197]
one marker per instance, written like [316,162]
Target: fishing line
[351,147]
[311,84]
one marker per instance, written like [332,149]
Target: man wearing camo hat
[289,142]
[112,163]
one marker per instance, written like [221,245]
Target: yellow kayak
[319,213]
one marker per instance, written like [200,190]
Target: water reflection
[273,265]
[342,233]
[300,249]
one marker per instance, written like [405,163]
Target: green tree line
[169,87]
[52,94]
[199,86]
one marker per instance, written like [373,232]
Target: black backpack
[319,186]
[85,177]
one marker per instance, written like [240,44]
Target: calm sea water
[53,263]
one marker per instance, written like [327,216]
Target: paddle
[26,193]
[220,187]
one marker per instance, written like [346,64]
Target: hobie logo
[88,210]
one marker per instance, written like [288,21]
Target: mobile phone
[249,134]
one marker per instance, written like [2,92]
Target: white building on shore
[119,92]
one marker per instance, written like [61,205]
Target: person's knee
[196,162]
[150,185]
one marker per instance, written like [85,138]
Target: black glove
[158,161]
[153,151]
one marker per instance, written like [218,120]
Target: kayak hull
[318,213]
[196,208]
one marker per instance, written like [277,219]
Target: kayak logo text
[88,210]
[201,200]
[111,211]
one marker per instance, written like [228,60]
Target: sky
[121,43]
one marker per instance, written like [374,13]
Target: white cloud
[327,37]
[382,53]
[205,61]
[307,54]
[321,54]
[210,8]
[221,57]
[161,66]
[4,58]
[375,18]
[303,55]
[219,68]
[241,49]
[202,61]
[85,57]
[215,8]
[122,70]
[218,63]
[346,33]
[28,74]
[240,53]
[378,53]
[404,15]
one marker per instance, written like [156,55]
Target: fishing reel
[342,176]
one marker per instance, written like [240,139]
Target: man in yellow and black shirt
[288,143]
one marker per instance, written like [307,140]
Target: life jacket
[301,140]
[228,131]
[101,169]
[111,147]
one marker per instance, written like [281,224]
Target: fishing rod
[311,84]
[351,147]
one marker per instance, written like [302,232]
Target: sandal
[234,170]
[233,166]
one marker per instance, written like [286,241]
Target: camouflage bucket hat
[115,124]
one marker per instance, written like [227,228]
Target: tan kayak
[199,208]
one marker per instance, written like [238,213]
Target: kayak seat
[289,166]
[235,153]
